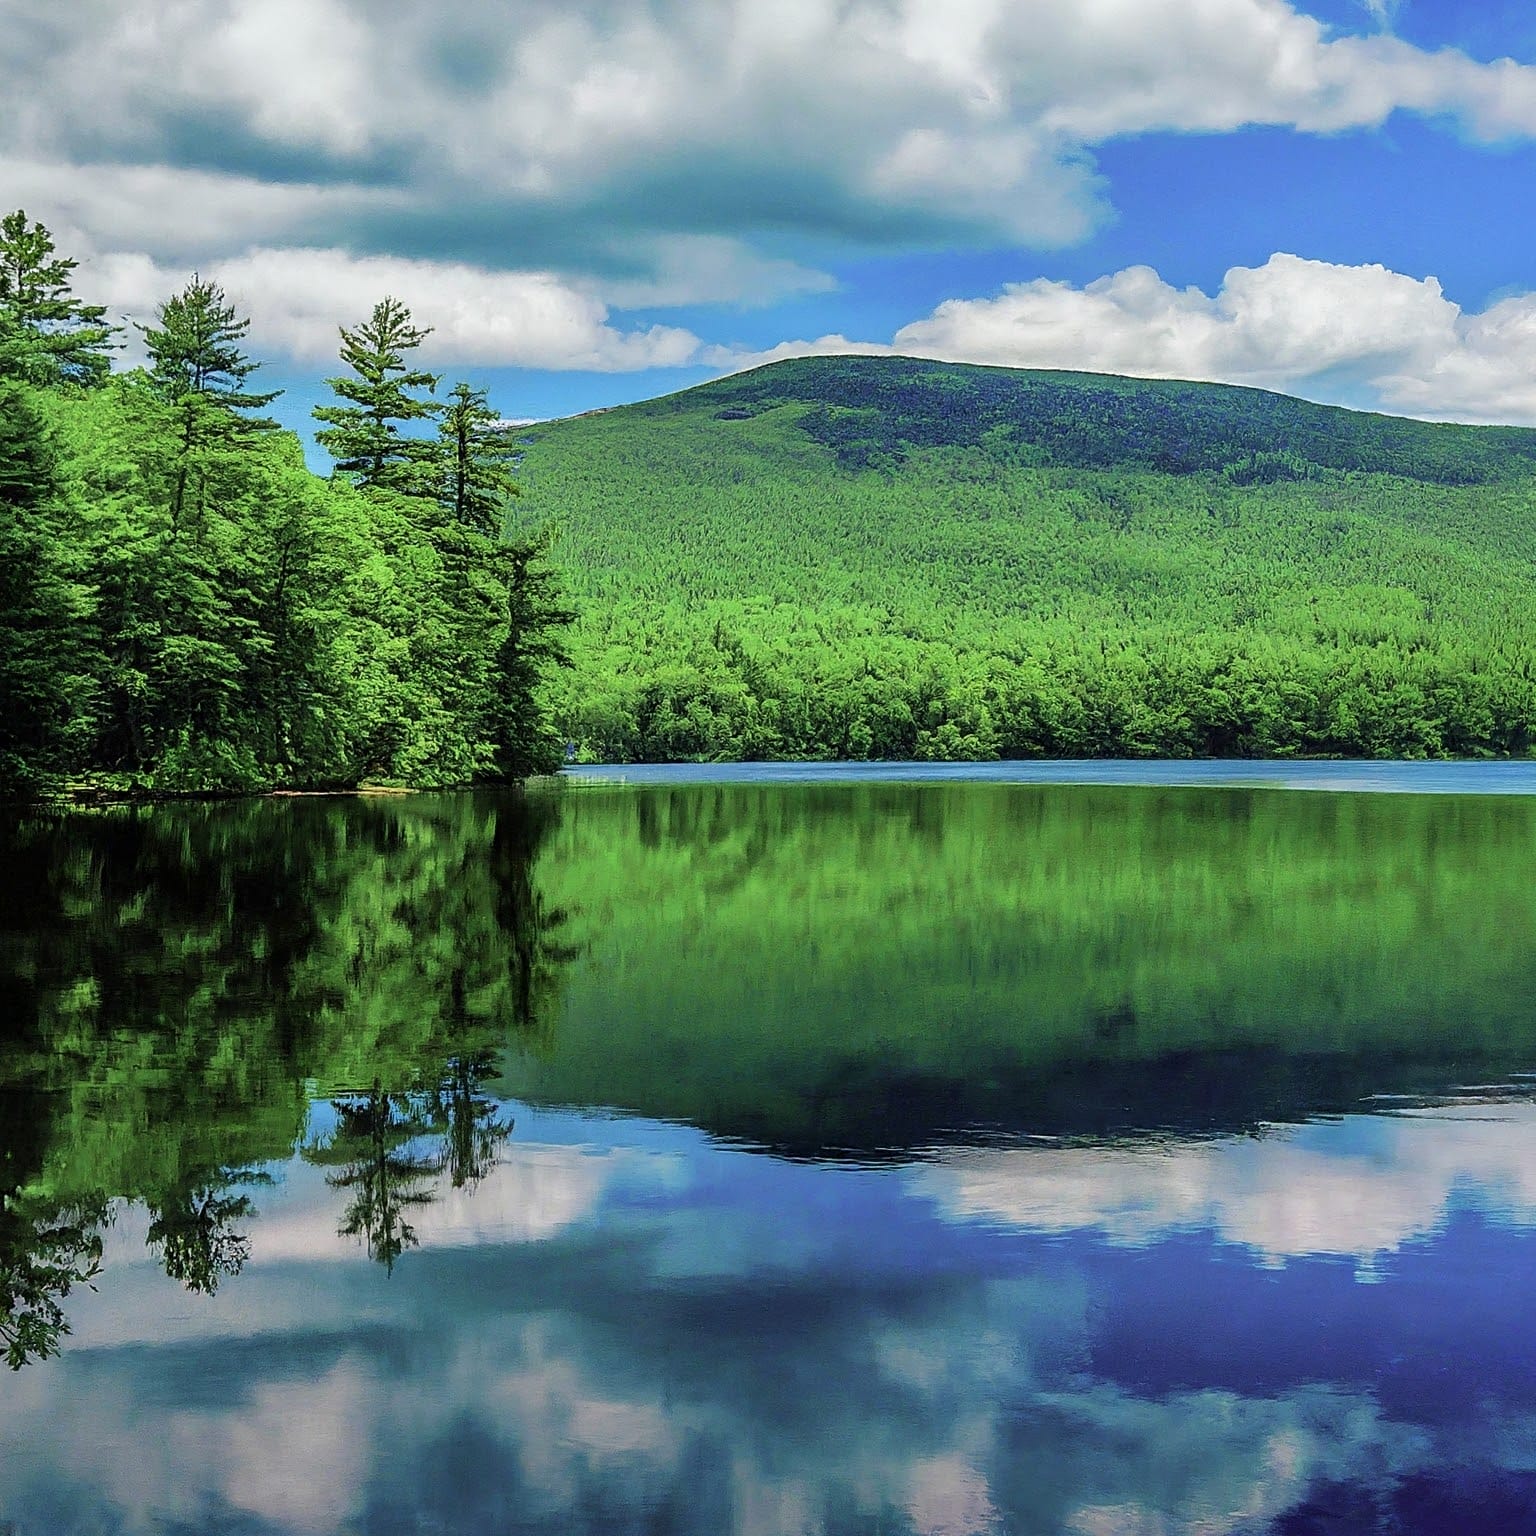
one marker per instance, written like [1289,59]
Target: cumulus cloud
[1269,325]
[296,298]
[571,137]
[1363,335]
[1294,1195]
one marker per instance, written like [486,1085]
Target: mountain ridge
[853,381]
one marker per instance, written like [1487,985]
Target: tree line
[186,607]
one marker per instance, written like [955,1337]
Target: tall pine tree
[382,395]
[47,336]
[476,464]
[198,367]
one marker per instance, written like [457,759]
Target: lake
[777,1151]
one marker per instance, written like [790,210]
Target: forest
[869,557]
[186,607]
[826,558]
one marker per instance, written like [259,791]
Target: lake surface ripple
[763,1157]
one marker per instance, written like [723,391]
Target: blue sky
[601,200]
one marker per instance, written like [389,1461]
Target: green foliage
[476,454]
[47,336]
[45,661]
[195,350]
[886,558]
[523,739]
[185,608]
[364,435]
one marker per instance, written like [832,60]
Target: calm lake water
[842,1156]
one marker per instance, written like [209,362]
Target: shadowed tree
[522,738]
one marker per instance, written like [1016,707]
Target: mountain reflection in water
[771,1159]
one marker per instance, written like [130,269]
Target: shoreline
[1499,776]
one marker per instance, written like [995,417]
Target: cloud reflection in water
[584,1346]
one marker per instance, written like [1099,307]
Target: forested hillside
[882,557]
[184,606]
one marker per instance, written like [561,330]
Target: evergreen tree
[198,367]
[196,350]
[364,435]
[521,737]
[477,453]
[43,676]
[47,336]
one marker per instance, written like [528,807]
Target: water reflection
[631,1327]
[389,1151]
[948,1160]
[1359,1189]
[178,983]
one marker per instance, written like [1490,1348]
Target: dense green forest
[827,558]
[184,606]
[887,558]
[190,994]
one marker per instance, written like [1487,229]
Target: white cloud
[893,121]
[1364,334]
[1297,1193]
[1269,325]
[170,212]
[297,297]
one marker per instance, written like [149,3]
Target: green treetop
[382,394]
[195,350]
[47,336]
[198,367]
[476,462]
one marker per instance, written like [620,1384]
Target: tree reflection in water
[193,1229]
[201,973]
[390,1151]
[45,1251]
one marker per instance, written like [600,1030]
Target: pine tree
[364,435]
[47,336]
[477,452]
[521,737]
[195,350]
[43,683]
[198,367]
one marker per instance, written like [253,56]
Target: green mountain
[885,557]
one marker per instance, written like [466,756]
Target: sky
[598,201]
